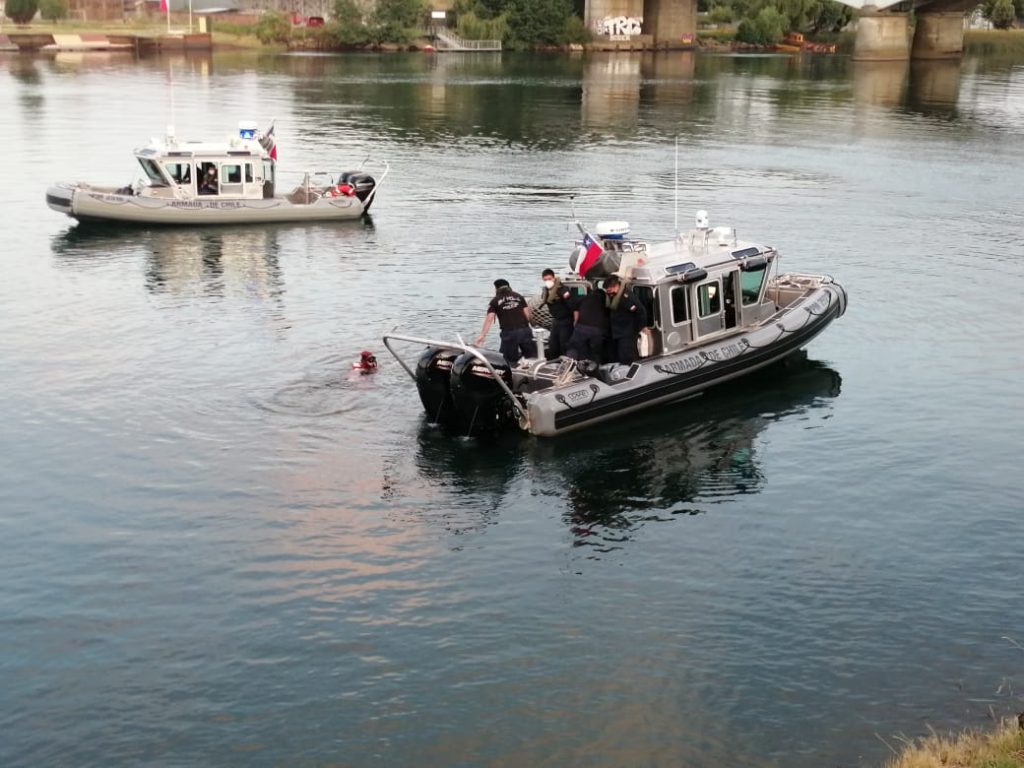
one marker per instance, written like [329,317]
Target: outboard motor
[362,183]
[433,374]
[479,400]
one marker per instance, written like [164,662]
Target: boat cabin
[238,169]
[702,285]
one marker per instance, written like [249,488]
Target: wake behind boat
[228,182]
[717,309]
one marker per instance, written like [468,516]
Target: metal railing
[456,43]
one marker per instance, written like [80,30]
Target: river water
[219,547]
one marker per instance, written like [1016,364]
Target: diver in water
[367,363]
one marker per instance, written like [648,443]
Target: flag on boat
[269,143]
[164,7]
[592,251]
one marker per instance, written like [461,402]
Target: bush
[767,28]
[273,28]
[720,14]
[55,10]
[399,14]
[21,11]
[472,27]
[537,22]
[348,30]
[1003,14]
[576,31]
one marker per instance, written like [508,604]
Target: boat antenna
[676,187]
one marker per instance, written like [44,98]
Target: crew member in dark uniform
[591,332]
[560,303]
[513,319]
[626,316]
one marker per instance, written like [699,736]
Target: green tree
[348,30]
[53,10]
[400,14]
[21,11]
[273,28]
[537,22]
[1003,14]
[988,9]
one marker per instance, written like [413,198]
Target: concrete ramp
[84,42]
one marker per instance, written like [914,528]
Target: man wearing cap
[626,316]
[513,319]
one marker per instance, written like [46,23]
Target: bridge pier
[939,35]
[673,23]
[882,36]
[664,23]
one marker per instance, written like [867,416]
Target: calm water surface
[220,548]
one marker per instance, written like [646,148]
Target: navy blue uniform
[516,334]
[591,331]
[562,324]
[626,320]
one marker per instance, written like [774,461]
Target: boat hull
[670,378]
[97,205]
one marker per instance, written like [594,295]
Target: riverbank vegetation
[994,42]
[1002,748]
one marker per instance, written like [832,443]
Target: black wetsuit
[587,342]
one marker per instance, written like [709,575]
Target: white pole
[676,224]
[168,16]
[190,17]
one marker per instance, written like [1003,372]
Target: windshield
[152,172]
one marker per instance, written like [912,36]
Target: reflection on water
[880,83]
[934,85]
[209,262]
[611,91]
[651,467]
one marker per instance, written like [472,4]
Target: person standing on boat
[626,316]
[559,300]
[513,319]
[591,332]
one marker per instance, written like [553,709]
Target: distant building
[98,10]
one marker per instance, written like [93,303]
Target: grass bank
[994,41]
[232,36]
[1001,748]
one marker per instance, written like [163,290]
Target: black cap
[499,283]
[547,272]
[612,280]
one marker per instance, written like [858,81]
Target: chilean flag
[592,253]
[163,6]
[269,143]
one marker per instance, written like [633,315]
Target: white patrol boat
[228,182]
[717,308]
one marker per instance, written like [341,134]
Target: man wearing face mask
[559,301]
[513,319]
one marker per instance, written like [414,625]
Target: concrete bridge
[632,24]
[883,29]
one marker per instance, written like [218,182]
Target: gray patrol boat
[227,182]
[718,308]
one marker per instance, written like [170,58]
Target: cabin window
[248,173]
[231,174]
[152,171]
[709,299]
[679,312]
[180,173]
[268,171]
[750,284]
